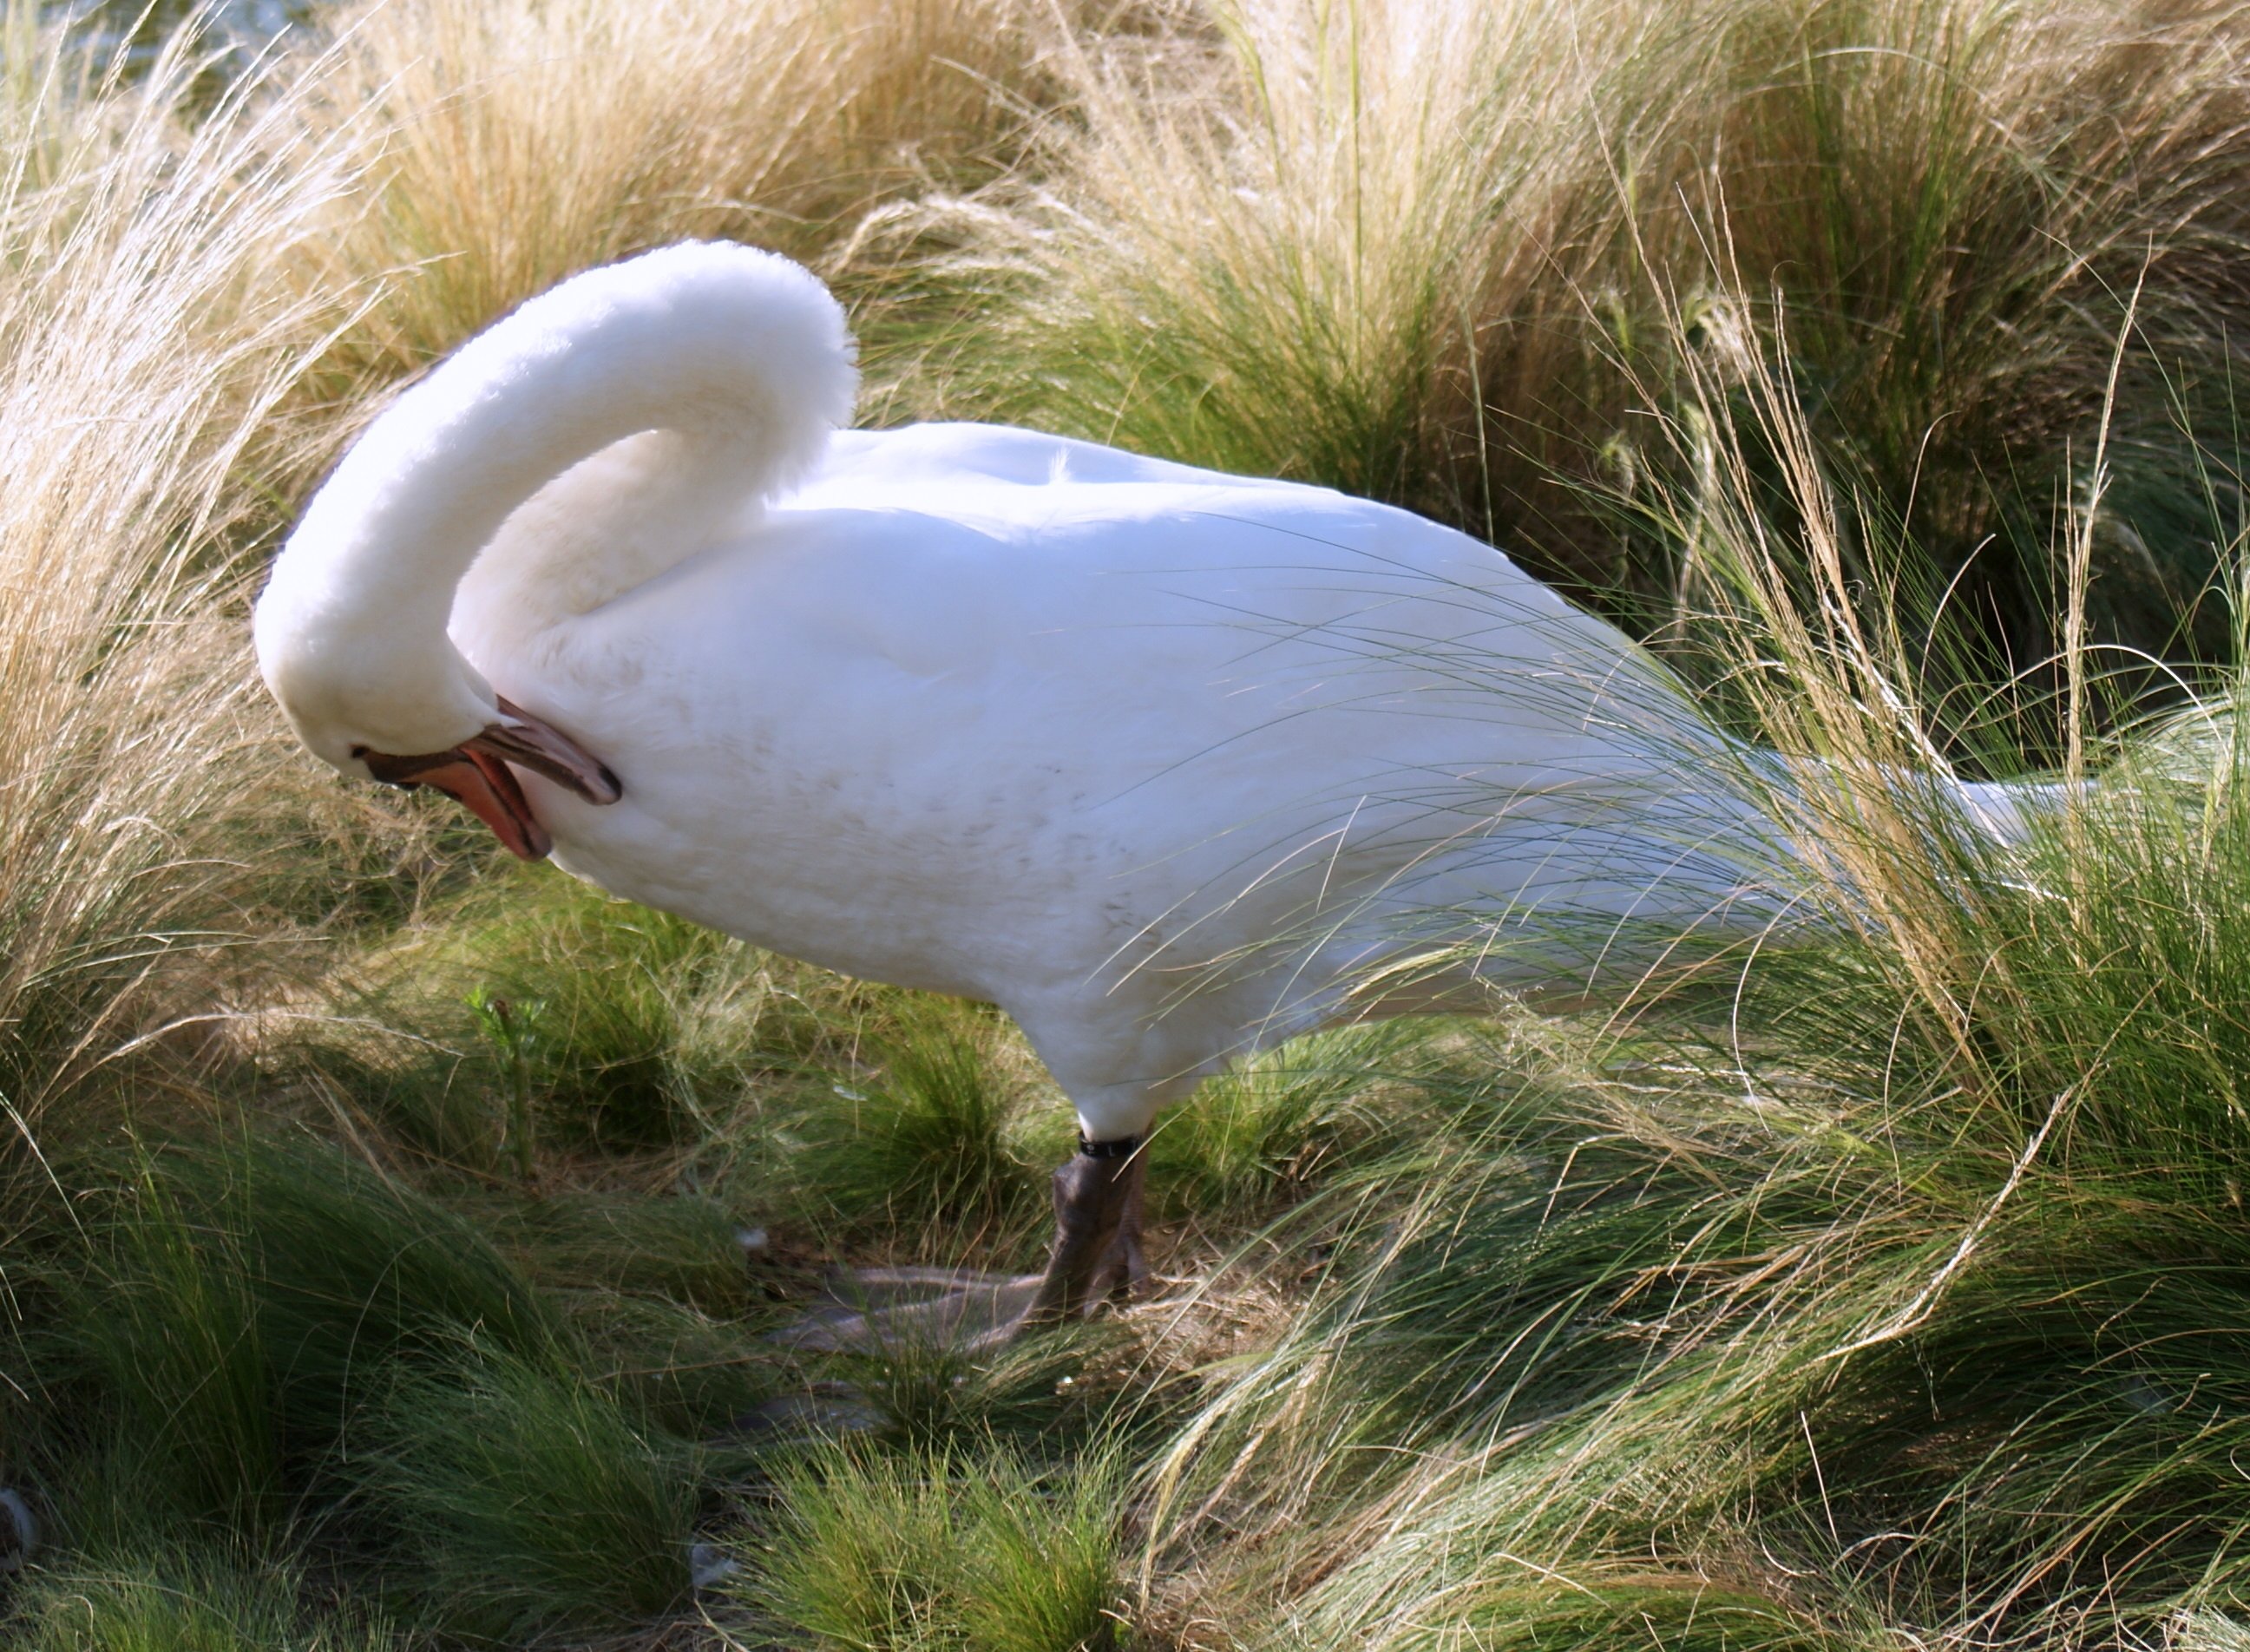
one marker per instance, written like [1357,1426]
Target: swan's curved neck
[613,522]
[600,432]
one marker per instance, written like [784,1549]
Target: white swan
[1158,759]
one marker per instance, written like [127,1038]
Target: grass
[1886,1347]
[928,1136]
[130,741]
[1876,356]
[1431,253]
[501,147]
[172,1325]
[678,1248]
[236,1303]
[1282,1121]
[942,1548]
[528,1501]
[1900,1297]
[186,1600]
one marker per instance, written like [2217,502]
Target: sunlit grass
[1283,1121]
[948,1546]
[928,1137]
[1428,251]
[1900,1289]
[501,147]
[1889,1297]
[180,1600]
[136,390]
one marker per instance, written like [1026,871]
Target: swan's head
[702,339]
[372,705]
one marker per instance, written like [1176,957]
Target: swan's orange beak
[476,773]
[490,792]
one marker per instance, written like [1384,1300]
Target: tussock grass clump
[530,1501]
[237,1304]
[1282,1121]
[619,1028]
[138,391]
[1814,1322]
[182,1601]
[680,1248]
[602,1025]
[1894,1298]
[584,995]
[928,1140]
[942,1547]
[501,147]
[1426,251]
[1048,1395]
[169,1320]
[675,1369]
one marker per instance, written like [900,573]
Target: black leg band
[1120,1149]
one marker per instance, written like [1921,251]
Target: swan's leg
[1125,1274]
[1092,1194]
[1099,1195]
[1096,1253]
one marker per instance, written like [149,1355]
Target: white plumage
[1158,759]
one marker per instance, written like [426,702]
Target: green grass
[938,1126]
[169,1320]
[614,1029]
[1842,1328]
[682,1249]
[235,1304]
[942,1547]
[580,998]
[527,1500]
[1878,1292]
[673,1369]
[172,1600]
[1287,1118]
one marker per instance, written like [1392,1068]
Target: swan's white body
[1158,759]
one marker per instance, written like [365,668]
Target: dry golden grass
[142,353]
[500,147]
[1425,250]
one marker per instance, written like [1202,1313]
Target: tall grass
[500,147]
[1426,251]
[927,1137]
[138,384]
[529,1501]
[1282,1122]
[1889,1297]
[233,1306]
[174,1599]
[1897,1297]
